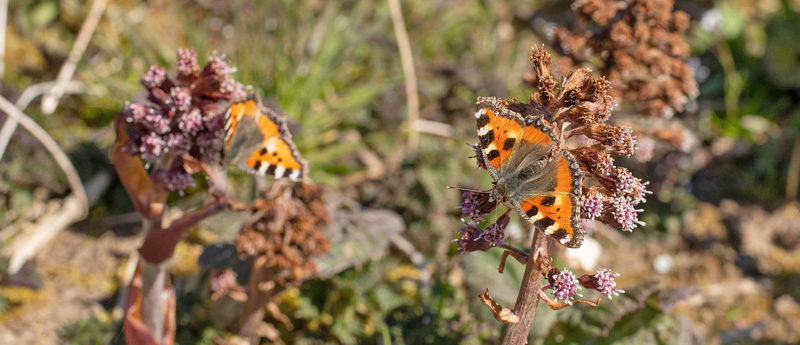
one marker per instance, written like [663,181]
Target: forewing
[499,131]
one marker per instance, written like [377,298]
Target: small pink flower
[152,146]
[564,284]
[624,212]
[495,233]
[592,205]
[476,206]
[154,77]
[187,63]
[602,281]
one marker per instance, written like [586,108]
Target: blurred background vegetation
[718,262]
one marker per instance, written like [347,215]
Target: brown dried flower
[287,230]
[640,49]
[582,105]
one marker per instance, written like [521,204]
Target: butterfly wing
[257,141]
[552,202]
[499,131]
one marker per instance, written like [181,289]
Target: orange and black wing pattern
[258,141]
[557,211]
[499,131]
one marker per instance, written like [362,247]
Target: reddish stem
[160,243]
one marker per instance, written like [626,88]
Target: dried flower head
[185,116]
[287,230]
[640,49]
[581,105]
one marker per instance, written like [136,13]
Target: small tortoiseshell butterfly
[518,152]
[257,141]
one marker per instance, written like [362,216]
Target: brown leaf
[501,314]
[147,198]
[556,305]
[136,332]
[191,164]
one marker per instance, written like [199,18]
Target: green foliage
[91,331]
[635,317]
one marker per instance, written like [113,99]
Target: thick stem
[260,289]
[528,297]
[153,278]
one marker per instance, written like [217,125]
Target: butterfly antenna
[468,190]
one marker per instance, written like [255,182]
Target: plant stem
[259,292]
[153,278]
[528,297]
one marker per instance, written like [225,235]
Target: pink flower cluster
[184,117]
[565,286]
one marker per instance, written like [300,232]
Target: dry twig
[51,98]
[27,96]
[58,154]
[407,60]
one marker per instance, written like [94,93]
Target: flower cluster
[184,117]
[602,281]
[563,283]
[287,230]
[582,104]
[640,49]
[565,286]
[474,208]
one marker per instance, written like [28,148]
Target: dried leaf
[501,314]
[136,332]
[147,198]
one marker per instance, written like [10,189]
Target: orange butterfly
[543,188]
[257,141]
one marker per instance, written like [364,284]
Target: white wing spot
[279,170]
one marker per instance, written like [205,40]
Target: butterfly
[257,141]
[531,173]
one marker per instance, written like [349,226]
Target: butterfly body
[257,141]
[531,174]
